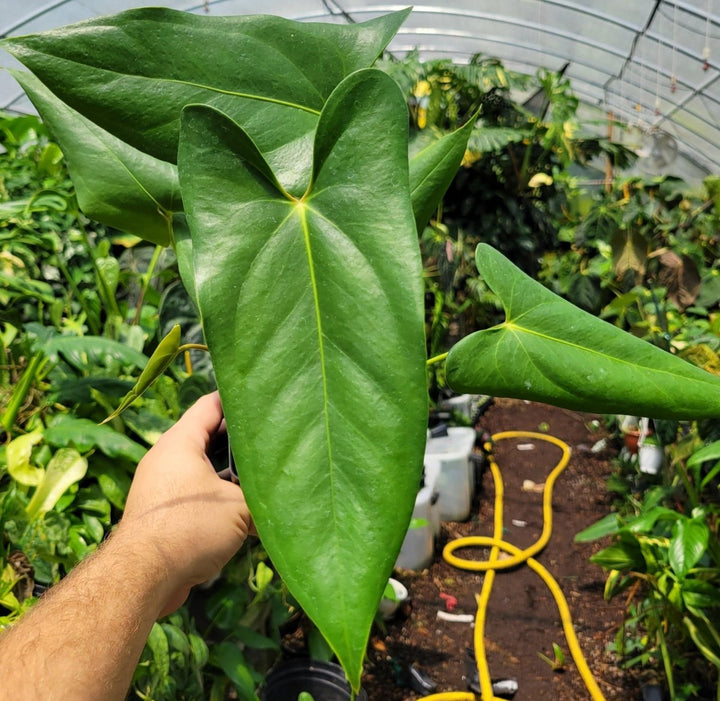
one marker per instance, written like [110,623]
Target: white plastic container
[427,498]
[650,458]
[388,606]
[449,469]
[462,404]
[418,548]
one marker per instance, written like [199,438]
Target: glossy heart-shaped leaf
[132,73]
[548,350]
[312,309]
[115,183]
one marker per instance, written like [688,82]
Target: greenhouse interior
[461,440]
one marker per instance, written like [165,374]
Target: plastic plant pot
[650,456]
[389,606]
[418,548]
[462,404]
[324,681]
[448,468]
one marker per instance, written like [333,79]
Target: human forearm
[89,630]
[181,524]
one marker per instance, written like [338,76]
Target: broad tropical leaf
[132,73]
[115,183]
[85,434]
[312,309]
[80,351]
[550,351]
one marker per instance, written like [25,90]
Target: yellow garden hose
[496,543]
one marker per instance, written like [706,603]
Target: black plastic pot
[653,692]
[324,681]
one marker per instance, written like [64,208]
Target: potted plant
[630,430]
[309,680]
[277,168]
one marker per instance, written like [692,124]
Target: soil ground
[522,619]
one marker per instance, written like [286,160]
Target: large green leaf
[84,351]
[313,314]
[550,351]
[85,434]
[132,73]
[115,183]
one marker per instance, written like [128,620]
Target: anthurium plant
[273,157]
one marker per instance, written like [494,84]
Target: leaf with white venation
[548,350]
[314,318]
[132,74]
[115,183]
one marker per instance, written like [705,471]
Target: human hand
[180,510]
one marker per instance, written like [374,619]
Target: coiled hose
[493,564]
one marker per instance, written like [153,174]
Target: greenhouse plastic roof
[653,64]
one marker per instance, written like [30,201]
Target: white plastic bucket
[428,496]
[448,468]
[650,458]
[418,548]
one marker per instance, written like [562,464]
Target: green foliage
[557,663]
[338,380]
[281,171]
[63,478]
[511,190]
[664,559]
[644,254]
[311,193]
[172,664]
[600,364]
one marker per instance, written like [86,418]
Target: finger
[201,420]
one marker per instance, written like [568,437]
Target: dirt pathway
[522,617]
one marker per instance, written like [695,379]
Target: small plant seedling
[558,663]
[418,523]
[304,696]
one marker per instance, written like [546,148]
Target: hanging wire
[706,48]
[673,64]
[338,11]
[642,76]
[657,68]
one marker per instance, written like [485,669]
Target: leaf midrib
[321,350]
